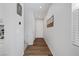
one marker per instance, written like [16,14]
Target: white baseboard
[49,46]
[31,43]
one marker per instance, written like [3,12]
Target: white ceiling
[39,9]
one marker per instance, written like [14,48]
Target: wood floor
[39,48]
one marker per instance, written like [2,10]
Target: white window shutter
[75,18]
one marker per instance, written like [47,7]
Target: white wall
[58,37]
[2,50]
[39,28]
[14,33]
[29,26]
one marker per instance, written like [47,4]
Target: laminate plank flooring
[39,48]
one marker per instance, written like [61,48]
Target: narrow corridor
[39,48]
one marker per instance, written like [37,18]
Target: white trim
[49,46]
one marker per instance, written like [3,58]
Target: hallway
[39,48]
[21,23]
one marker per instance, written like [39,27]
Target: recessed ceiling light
[40,7]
